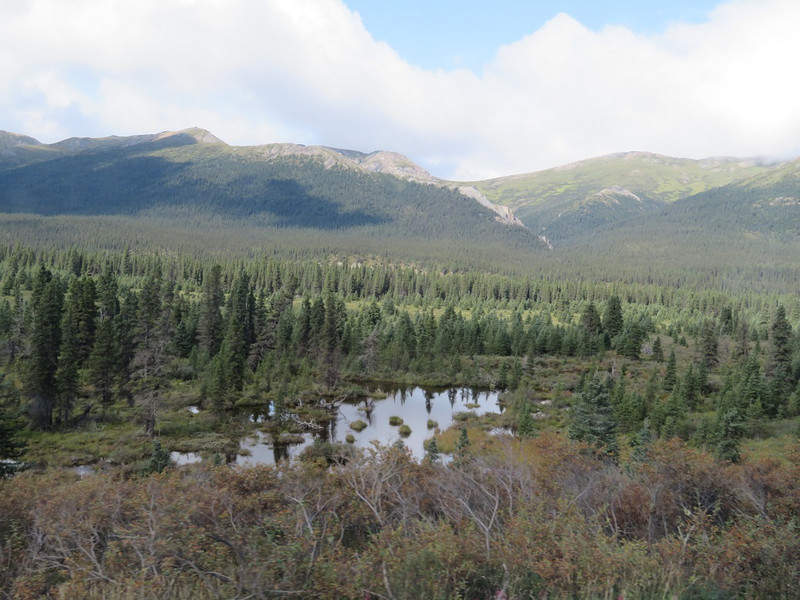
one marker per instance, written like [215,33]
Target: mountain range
[637,206]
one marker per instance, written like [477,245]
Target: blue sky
[469,90]
[447,34]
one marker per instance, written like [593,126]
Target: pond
[416,406]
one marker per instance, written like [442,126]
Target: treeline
[687,257]
[374,277]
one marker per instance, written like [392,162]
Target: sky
[467,89]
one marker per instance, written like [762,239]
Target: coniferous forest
[644,441]
[647,440]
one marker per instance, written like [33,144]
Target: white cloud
[259,71]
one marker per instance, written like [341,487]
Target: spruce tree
[730,430]
[332,330]
[238,336]
[526,425]
[779,362]
[42,386]
[151,342]
[631,343]
[461,449]
[640,444]
[303,329]
[107,291]
[590,320]
[69,356]
[103,361]
[709,345]
[11,448]
[124,340]
[432,451]
[742,349]
[592,418]
[210,323]
[671,375]
[612,317]
[658,351]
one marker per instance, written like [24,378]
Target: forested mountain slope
[634,216]
[192,181]
[573,199]
[743,235]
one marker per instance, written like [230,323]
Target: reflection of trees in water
[280,452]
[329,432]
[428,399]
[338,427]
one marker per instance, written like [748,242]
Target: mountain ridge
[567,200]
[561,205]
[379,161]
[272,197]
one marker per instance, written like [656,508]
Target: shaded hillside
[191,181]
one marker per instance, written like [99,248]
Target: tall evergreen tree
[69,357]
[332,330]
[238,333]
[640,444]
[658,351]
[631,343]
[46,302]
[104,360]
[303,328]
[729,432]
[85,315]
[104,357]
[742,349]
[613,321]
[107,295]
[590,320]
[151,342]
[671,375]
[779,363]
[124,340]
[210,323]
[11,447]
[592,418]
[709,345]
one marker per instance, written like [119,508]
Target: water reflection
[185,458]
[414,405]
[257,449]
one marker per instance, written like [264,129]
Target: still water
[416,406]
